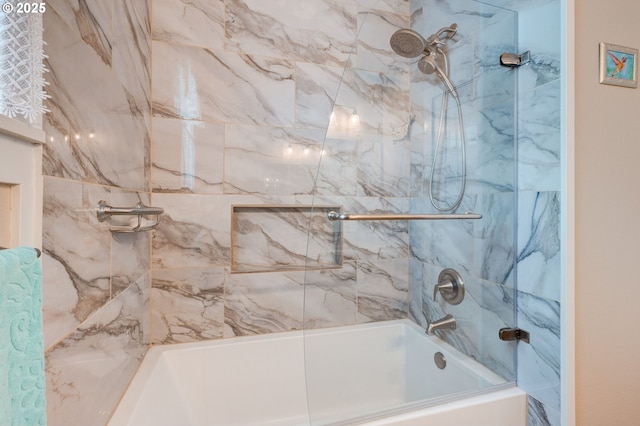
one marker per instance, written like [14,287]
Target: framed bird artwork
[618,65]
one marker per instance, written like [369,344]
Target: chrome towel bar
[105,212]
[332,215]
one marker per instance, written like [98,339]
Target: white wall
[21,191]
[607,151]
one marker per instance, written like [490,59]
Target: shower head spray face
[427,65]
[408,43]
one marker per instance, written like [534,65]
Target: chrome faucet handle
[444,287]
[450,285]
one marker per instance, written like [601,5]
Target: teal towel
[22,397]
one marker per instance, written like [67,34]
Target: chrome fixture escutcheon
[440,360]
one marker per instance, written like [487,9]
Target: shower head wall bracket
[513,60]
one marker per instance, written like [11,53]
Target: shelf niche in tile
[274,238]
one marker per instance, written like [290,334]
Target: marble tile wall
[539,186]
[96,284]
[243,95]
[492,264]
[232,109]
[482,251]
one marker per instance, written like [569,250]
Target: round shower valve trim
[450,286]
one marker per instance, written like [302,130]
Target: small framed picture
[618,65]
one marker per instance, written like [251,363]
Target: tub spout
[448,322]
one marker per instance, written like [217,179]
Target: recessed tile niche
[277,238]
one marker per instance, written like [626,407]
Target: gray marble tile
[519,5]
[95,132]
[491,151]
[338,168]
[383,167]
[539,244]
[263,303]
[187,305]
[194,232]
[316,90]
[383,289]
[214,85]
[281,161]
[188,156]
[373,240]
[89,20]
[280,238]
[539,361]
[379,101]
[130,258]
[396,6]
[107,348]
[132,56]
[418,276]
[486,308]
[448,244]
[374,51]
[539,139]
[330,297]
[200,23]
[317,31]
[76,262]
[542,415]
[494,238]
[539,31]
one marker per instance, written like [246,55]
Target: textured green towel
[22,397]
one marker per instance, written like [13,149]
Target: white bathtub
[374,374]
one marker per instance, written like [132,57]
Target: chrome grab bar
[105,211]
[333,215]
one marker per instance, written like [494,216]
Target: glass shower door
[366,352]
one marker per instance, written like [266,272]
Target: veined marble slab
[200,23]
[279,238]
[105,349]
[188,156]
[187,305]
[96,129]
[317,31]
[194,83]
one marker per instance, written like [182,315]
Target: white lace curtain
[21,66]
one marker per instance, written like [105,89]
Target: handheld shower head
[428,65]
[408,43]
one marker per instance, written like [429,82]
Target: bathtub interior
[384,368]
[260,380]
